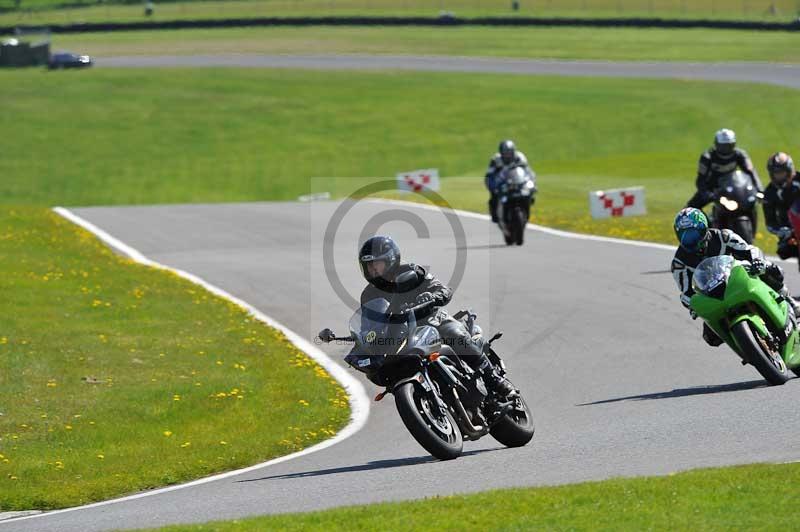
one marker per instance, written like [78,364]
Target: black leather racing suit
[712,166]
[777,202]
[722,242]
[453,332]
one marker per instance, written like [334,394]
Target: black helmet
[781,169]
[507,151]
[725,143]
[379,249]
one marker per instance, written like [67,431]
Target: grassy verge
[116,378]
[758,497]
[46,11]
[550,43]
[262,135]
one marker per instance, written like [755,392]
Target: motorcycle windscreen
[711,275]
[519,179]
[375,330]
[737,189]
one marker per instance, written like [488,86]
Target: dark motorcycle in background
[516,195]
[735,202]
[441,400]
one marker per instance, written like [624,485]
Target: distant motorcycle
[516,195]
[440,399]
[735,205]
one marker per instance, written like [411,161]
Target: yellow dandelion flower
[167,433]
[223,442]
[176,397]
[185,444]
[68,427]
[101,456]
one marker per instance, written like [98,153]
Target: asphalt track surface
[770,73]
[620,380]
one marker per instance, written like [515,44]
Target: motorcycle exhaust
[472,430]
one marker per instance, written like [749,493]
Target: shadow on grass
[685,392]
[369,466]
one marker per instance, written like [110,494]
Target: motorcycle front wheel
[743,227]
[766,361]
[519,225]
[434,429]
[515,428]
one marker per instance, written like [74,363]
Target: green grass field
[550,43]
[115,377]
[206,135]
[758,497]
[46,11]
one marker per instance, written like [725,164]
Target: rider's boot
[493,208]
[792,302]
[494,381]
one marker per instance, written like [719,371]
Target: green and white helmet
[691,228]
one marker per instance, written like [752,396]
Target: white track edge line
[540,228]
[359,402]
[548,230]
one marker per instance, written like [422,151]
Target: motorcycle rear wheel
[769,365]
[436,431]
[516,427]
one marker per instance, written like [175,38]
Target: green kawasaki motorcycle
[754,320]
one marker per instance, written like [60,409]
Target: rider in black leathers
[719,160]
[507,156]
[379,258]
[782,191]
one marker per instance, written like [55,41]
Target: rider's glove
[784,233]
[693,314]
[757,267]
[327,335]
[424,297]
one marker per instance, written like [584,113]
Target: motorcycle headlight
[729,204]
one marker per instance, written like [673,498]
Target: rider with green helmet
[697,242]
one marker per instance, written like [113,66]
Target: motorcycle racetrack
[619,379]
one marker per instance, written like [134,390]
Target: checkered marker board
[418,180]
[617,202]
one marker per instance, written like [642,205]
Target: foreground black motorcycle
[735,205]
[516,195]
[440,399]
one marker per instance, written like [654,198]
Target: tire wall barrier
[446,21]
